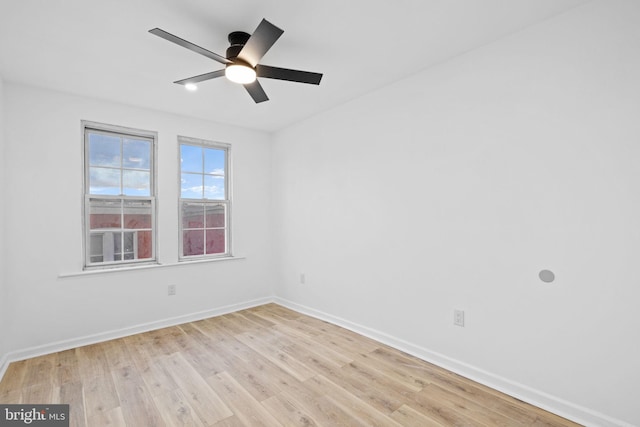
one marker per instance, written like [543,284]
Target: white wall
[44,193]
[3,308]
[454,188]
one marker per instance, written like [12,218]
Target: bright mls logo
[34,415]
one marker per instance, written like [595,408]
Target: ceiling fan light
[239,73]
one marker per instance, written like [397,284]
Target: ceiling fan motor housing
[237,39]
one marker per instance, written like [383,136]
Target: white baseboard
[49,348]
[4,364]
[556,405]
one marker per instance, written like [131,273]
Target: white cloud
[207,189]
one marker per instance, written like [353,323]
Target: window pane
[117,246]
[128,243]
[214,161]
[191,186]
[190,158]
[104,150]
[214,187]
[144,245]
[104,181]
[104,214]
[214,216]
[95,247]
[136,183]
[192,215]
[193,242]
[108,247]
[137,214]
[136,154]
[215,242]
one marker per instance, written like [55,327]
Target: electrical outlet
[171,290]
[303,279]
[458,318]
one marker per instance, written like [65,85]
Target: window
[119,196]
[204,199]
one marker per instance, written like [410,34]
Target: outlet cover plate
[458,317]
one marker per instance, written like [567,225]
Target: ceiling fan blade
[289,75]
[260,42]
[257,93]
[192,47]
[201,77]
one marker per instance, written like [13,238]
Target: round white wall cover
[547,276]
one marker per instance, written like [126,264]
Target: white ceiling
[103,49]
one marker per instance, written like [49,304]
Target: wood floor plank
[243,405]
[409,417]
[66,367]
[279,312]
[394,372]
[235,324]
[40,370]
[383,376]
[176,411]
[200,353]
[306,399]
[232,421]
[288,413]
[117,353]
[276,355]
[472,410]
[72,393]
[11,397]
[386,398]
[156,377]
[256,319]
[137,406]
[309,356]
[225,344]
[350,404]
[92,361]
[306,340]
[202,398]
[13,382]
[260,378]
[162,342]
[326,412]
[344,336]
[267,365]
[112,418]
[39,393]
[100,395]
[440,411]
[325,338]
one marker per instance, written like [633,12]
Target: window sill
[147,266]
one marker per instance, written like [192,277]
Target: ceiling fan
[241,62]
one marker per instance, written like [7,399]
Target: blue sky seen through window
[119,166]
[202,172]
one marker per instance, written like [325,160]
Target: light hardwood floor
[265,366]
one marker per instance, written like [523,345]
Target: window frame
[88,127]
[226,202]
